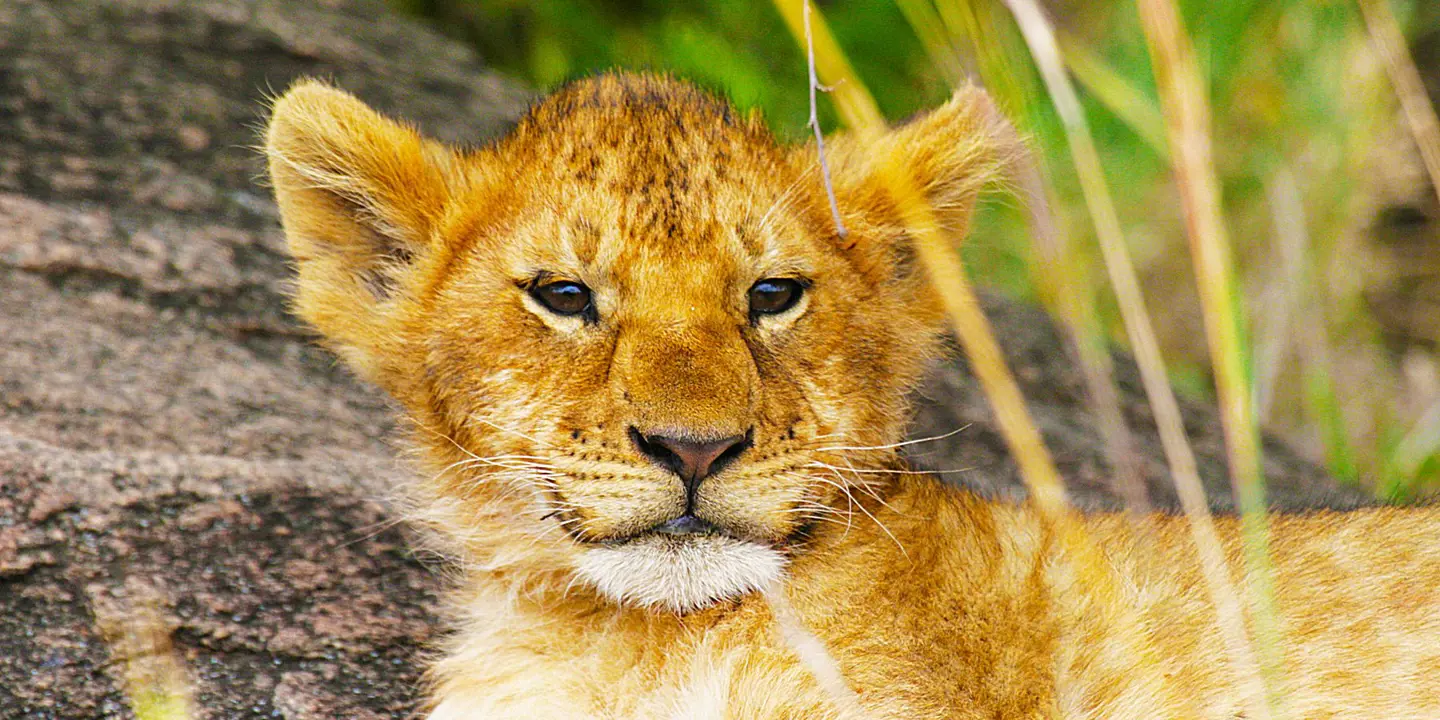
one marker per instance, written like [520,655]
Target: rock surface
[167,433]
[169,437]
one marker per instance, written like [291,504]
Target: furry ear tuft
[953,153]
[957,150]
[361,198]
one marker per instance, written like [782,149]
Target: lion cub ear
[361,198]
[952,153]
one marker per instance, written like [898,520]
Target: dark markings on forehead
[747,231]
[643,93]
[585,240]
[663,149]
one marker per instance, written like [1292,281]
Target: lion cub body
[982,615]
[657,399]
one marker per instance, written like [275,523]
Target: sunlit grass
[1184,140]
[1187,135]
[1185,102]
[1046,51]
[1389,40]
[153,676]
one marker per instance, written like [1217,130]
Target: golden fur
[834,584]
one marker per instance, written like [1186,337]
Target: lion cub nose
[692,460]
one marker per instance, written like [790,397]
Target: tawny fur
[898,597]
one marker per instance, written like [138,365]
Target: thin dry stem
[815,125]
[1273,338]
[1077,315]
[1390,44]
[1187,122]
[852,101]
[155,683]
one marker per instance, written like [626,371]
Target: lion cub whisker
[885,472]
[845,488]
[894,445]
[513,431]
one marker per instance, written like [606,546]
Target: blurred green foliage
[741,47]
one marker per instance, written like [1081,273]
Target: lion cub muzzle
[692,461]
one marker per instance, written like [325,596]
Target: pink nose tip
[693,461]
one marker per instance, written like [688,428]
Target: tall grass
[153,677]
[1184,106]
[1041,38]
[1186,142]
[1185,102]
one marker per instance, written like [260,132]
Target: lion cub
[657,400]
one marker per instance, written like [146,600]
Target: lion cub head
[635,349]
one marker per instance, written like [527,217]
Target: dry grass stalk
[153,677]
[1290,287]
[815,125]
[978,339]
[1187,120]
[929,28]
[1181,458]
[1075,306]
[1114,92]
[1082,328]
[1047,491]
[1390,44]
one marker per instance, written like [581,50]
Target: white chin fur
[679,573]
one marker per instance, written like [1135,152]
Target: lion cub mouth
[686,524]
[681,565]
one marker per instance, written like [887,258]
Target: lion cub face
[631,324]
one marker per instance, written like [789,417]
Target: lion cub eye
[773,296]
[563,297]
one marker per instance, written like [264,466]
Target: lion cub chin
[679,573]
